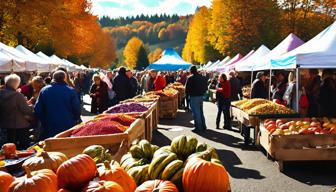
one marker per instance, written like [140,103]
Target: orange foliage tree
[67,26]
[135,54]
[155,55]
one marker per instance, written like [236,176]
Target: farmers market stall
[181,91]
[299,139]
[250,112]
[108,130]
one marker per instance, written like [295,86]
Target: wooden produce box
[168,106]
[298,147]
[71,146]
[150,117]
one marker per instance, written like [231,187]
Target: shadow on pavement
[230,160]
[160,139]
[312,172]
[183,118]
[226,139]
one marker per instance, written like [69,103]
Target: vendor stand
[72,146]
[303,145]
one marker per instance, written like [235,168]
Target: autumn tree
[198,48]
[135,54]
[67,28]
[239,25]
[155,55]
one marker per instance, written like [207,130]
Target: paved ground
[248,167]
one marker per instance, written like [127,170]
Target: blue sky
[118,8]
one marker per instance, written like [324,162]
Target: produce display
[149,162]
[98,153]
[261,107]
[157,185]
[42,180]
[10,156]
[181,166]
[127,108]
[45,160]
[306,126]
[104,124]
[165,92]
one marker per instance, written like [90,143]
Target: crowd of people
[48,104]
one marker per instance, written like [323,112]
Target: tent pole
[297,89]
[270,85]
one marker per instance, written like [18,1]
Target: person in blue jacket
[57,107]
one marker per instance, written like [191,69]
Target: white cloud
[122,8]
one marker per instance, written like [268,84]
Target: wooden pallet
[71,146]
[284,148]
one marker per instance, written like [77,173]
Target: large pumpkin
[103,186]
[5,181]
[74,173]
[44,180]
[45,160]
[157,186]
[118,175]
[205,176]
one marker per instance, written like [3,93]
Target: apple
[284,126]
[315,124]
[298,123]
[279,122]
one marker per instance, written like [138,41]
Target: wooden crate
[298,147]
[168,106]
[150,118]
[72,146]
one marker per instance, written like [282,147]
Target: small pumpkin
[44,180]
[5,181]
[9,150]
[74,173]
[118,175]
[45,160]
[103,186]
[196,176]
[157,186]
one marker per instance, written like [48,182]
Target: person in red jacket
[223,95]
[159,82]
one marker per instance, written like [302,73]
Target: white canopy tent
[29,64]
[247,64]
[291,42]
[318,53]
[221,63]
[43,65]
[8,64]
[206,65]
[212,64]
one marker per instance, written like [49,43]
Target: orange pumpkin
[103,186]
[74,173]
[44,180]
[45,160]
[5,181]
[196,176]
[157,186]
[118,175]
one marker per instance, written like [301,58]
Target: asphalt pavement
[248,166]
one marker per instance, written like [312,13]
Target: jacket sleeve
[23,106]
[188,86]
[75,104]
[39,107]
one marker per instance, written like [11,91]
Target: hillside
[155,31]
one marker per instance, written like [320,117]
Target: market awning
[170,61]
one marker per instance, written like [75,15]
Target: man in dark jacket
[196,86]
[122,85]
[236,89]
[134,83]
[258,89]
[58,106]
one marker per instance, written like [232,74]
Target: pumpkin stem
[107,165]
[44,154]
[28,172]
